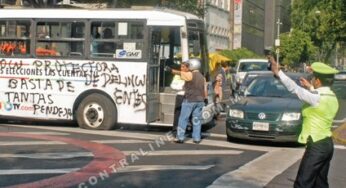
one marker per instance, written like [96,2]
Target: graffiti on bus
[42,77]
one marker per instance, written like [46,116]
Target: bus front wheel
[96,111]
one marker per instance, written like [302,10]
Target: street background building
[218,24]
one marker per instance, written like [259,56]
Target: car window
[252,66]
[248,79]
[267,87]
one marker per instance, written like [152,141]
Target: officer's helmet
[194,64]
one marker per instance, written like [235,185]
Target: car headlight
[290,116]
[236,113]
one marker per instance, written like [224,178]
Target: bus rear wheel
[96,112]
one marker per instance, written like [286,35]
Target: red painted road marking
[104,158]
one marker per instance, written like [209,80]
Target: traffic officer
[319,109]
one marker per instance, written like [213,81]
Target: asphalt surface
[253,165]
[48,156]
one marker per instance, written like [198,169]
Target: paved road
[48,156]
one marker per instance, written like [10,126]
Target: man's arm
[303,94]
[187,76]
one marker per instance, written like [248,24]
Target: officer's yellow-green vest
[317,120]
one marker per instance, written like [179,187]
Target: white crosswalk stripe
[37,171]
[261,171]
[61,155]
[68,155]
[45,133]
[138,168]
[32,143]
[189,152]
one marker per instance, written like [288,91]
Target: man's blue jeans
[186,109]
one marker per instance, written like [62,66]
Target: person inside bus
[23,48]
[9,48]
[107,47]
[48,50]
[94,45]
[17,48]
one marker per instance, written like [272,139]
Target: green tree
[323,21]
[296,47]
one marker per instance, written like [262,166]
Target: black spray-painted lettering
[53,110]
[133,97]
[36,98]
[128,89]
[65,84]
[12,67]
[30,84]
[128,81]
[41,84]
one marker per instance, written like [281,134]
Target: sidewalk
[339,134]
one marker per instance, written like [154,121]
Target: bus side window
[65,39]
[19,33]
[111,37]
[95,34]
[107,47]
[131,30]
[103,39]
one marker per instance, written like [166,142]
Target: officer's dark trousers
[313,169]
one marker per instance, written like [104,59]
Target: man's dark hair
[326,79]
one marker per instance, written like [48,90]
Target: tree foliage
[323,21]
[296,47]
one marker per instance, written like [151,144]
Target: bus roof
[154,16]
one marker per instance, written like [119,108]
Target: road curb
[339,134]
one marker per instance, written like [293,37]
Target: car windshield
[253,66]
[249,78]
[267,87]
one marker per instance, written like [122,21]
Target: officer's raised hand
[275,67]
[305,83]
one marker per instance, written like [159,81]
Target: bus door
[153,88]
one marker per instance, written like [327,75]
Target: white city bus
[97,67]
